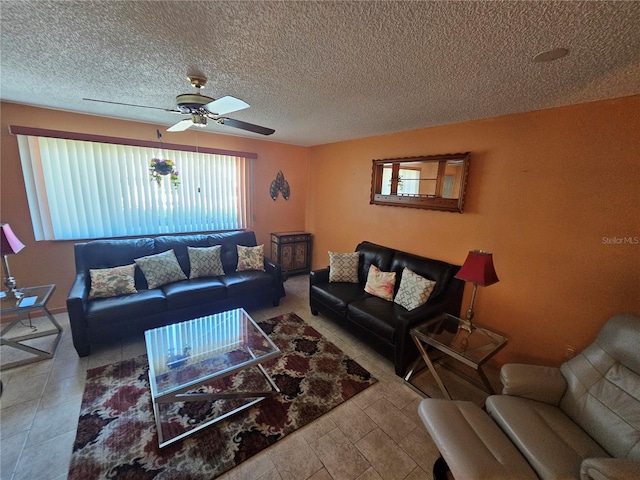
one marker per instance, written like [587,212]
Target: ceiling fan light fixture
[199,120]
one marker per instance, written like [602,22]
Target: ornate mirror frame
[434,182]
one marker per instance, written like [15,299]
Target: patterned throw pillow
[343,267]
[250,258]
[161,269]
[111,282]
[414,290]
[205,261]
[380,283]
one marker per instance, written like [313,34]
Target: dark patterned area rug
[117,437]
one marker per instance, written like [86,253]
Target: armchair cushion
[471,444]
[609,468]
[536,382]
[552,444]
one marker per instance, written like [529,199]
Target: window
[86,189]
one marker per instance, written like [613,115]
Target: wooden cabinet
[292,250]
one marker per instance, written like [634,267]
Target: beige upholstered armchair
[579,421]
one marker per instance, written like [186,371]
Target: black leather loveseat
[383,324]
[124,315]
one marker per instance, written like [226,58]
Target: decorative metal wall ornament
[279,185]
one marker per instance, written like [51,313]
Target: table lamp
[9,244]
[477,269]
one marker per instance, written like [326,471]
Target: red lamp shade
[478,269]
[9,243]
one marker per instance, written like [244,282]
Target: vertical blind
[81,189]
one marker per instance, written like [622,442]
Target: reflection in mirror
[434,182]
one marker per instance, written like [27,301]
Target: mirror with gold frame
[435,182]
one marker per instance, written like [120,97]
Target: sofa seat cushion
[126,307]
[550,441]
[246,281]
[190,292]
[376,315]
[337,295]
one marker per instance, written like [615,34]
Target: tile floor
[375,435]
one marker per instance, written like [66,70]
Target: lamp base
[12,292]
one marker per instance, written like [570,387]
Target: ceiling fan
[201,108]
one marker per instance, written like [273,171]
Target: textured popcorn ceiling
[319,72]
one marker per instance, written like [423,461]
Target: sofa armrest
[609,469]
[316,277]
[76,308]
[275,271]
[536,382]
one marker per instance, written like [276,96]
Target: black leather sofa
[383,324]
[126,315]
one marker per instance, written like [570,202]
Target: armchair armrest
[536,382]
[609,469]
[275,271]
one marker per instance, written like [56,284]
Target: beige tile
[10,453]
[17,419]
[69,364]
[418,474]
[319,427]
[370,474]
[389,460]
[420,447]
[352,421]
[53,421]
[321,475]
[46,461]
[388,417]
[270,475]
[258,466]
[22,389]
[294,458]
[339,456]
[62,390]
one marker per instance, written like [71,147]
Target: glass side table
[33,299]
[445,334]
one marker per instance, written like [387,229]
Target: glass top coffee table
[211,364]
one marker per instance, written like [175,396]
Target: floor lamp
[477,269]
[9,244]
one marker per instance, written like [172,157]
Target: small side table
[445,334]
[9,307]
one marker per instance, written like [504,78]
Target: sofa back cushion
[229,242]
[603,388]
[179,244]
[372,254]
[435,270]
[99,254]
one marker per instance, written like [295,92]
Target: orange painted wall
[52,262]
[544,188]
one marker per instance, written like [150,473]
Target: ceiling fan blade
[181,126]
[132,105]
[225,105]
[230,122]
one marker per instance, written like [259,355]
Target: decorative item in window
[159,168]
[279,185]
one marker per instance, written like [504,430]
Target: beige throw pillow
[380,284]
[161,269]
[111,282]
[343,267]
[250,258]
[205,261]
[414,290]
